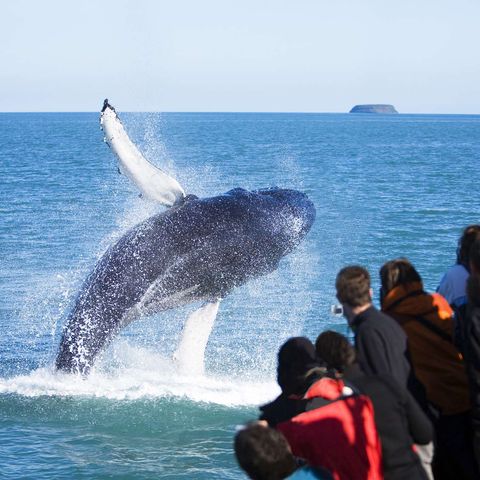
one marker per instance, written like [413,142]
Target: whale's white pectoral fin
[190,353]
[152,182]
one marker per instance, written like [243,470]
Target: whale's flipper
[152,182]
[190,353]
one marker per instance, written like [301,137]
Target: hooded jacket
[297,370]
[437,363]
[336,432]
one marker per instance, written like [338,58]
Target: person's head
[263,453]
[335,350]
[296,358]
[474,257]
[353,289]
[397,272]
[469,235]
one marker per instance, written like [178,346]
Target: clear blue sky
[245,55]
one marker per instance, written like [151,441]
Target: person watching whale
[264,454]
[400,421]
[325,422]
[380,343]
[453,285]
[439,366]
[471,333]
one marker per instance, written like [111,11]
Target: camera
[336,310]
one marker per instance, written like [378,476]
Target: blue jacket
[309,473]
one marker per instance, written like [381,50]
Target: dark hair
[353,286]
[296,359]
[397,272]
[474,255]
[469,235]
[263,453]
[335,350]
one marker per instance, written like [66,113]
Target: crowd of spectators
[401,403]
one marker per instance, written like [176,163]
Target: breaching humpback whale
[196,250]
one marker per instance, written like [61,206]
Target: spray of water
[138,373]
[241,352]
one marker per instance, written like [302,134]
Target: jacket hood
[411,300]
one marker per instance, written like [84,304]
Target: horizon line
[240,111]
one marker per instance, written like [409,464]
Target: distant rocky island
[373,108]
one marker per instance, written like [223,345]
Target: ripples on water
[383,187]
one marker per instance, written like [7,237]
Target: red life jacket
[338,434]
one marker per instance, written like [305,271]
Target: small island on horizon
[373,108]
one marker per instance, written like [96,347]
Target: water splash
[252,321]
[138,373]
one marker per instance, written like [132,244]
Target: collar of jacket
[328,388]
[400,293]
[410,299]
[361,317]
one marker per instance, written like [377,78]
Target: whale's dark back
[199,250]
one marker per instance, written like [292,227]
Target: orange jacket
[436,362]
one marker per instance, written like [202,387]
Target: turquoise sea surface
[383,186]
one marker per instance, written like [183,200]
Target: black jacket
[381,345]
[287,406]
[471,328]
[400,423]
[281,409]
[382,349]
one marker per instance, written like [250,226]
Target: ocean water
[383,187]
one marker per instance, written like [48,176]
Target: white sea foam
[137,373]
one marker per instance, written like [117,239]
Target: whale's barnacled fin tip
[106,105]
[153,182]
